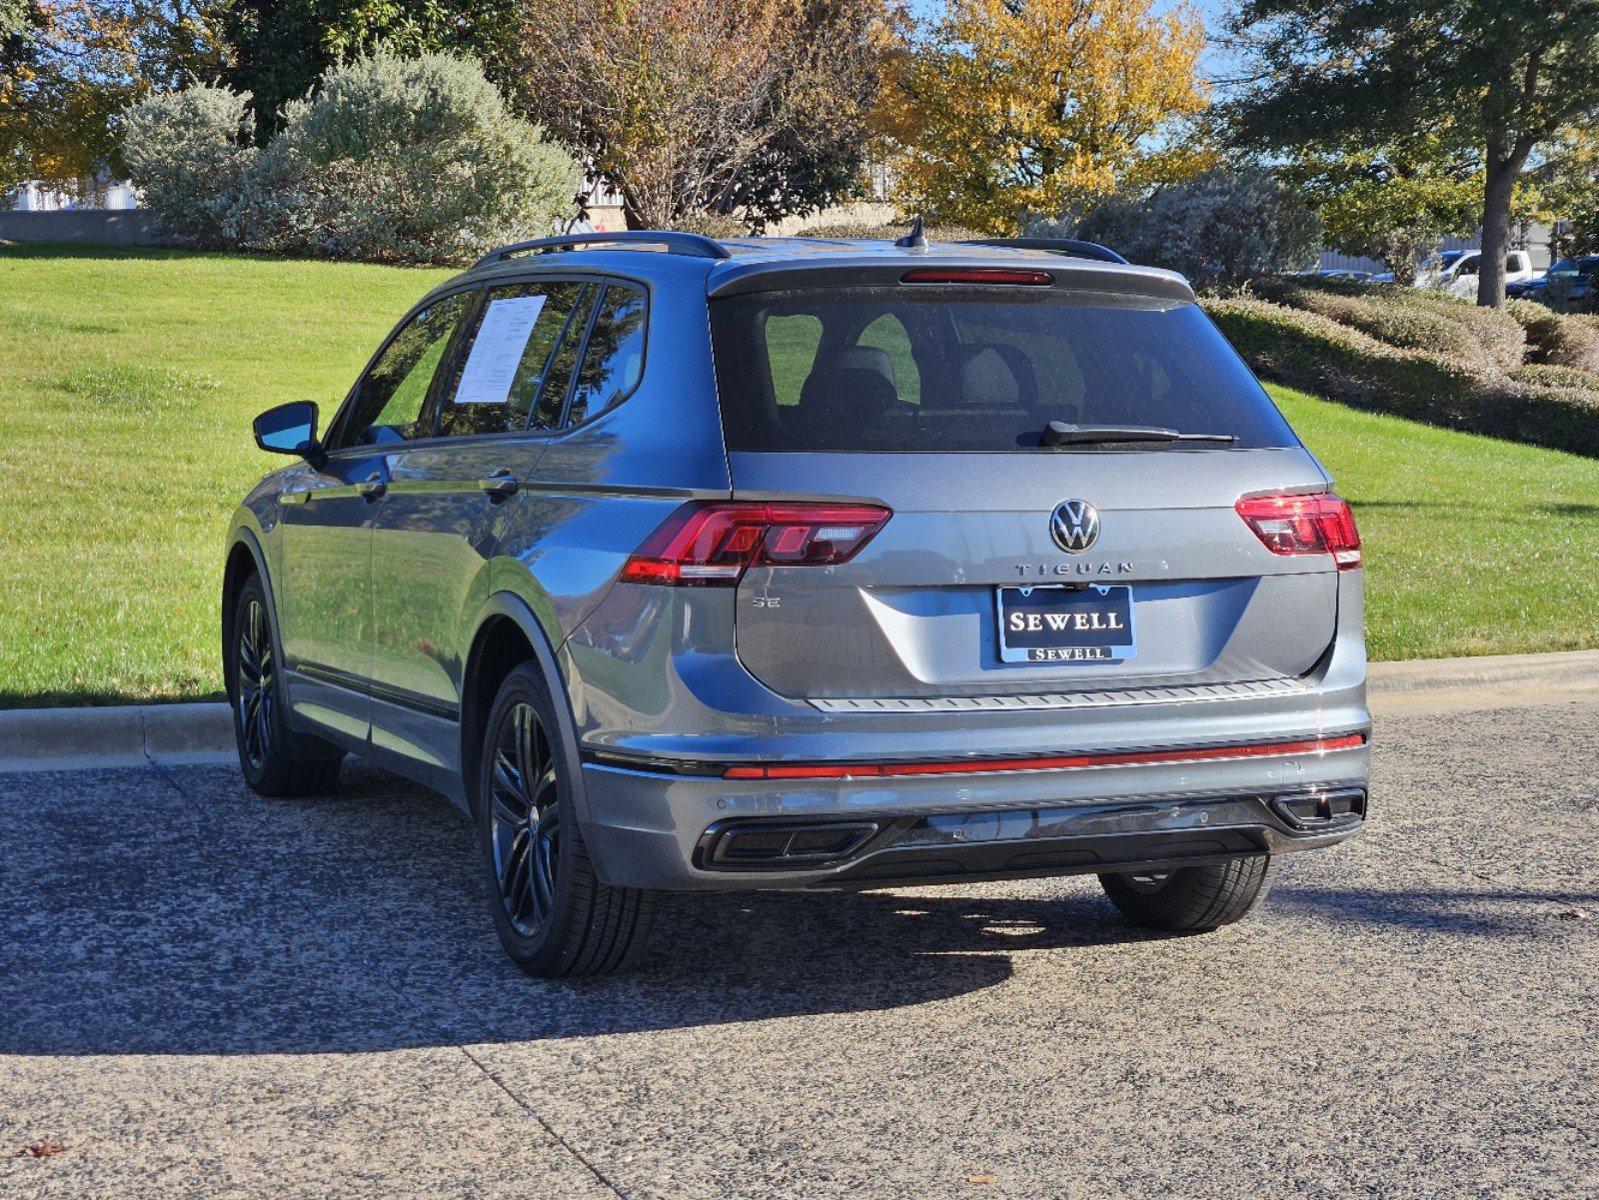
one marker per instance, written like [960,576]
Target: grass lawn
[129,379]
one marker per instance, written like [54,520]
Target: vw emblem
[1074,525]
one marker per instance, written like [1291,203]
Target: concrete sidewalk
[49,739]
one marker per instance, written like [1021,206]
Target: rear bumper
[654,829]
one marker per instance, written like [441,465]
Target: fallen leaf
[979,1179]
[42,1149]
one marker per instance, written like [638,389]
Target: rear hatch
[1016,561]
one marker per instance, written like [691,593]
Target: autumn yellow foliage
[1010,108]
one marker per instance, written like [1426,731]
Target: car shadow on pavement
[1495,912]
[179,914]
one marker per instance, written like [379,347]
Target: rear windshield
[973,369]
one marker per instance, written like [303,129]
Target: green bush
[1542,374]
[183,152]
[851,230]
[406,160]
[1413,318]
[391,160]
[1556,338]
[1402,325]
[1314,352]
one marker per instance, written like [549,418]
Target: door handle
[499,485]
[372,487]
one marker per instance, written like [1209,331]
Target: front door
[324,593]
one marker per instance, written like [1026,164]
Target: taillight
[1321,523]
[711,544]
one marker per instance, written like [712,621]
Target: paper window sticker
[497,350]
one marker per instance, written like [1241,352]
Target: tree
[1394,203]
[1007,108]
[67,67]
[283,47]
[1221,229]
[1496,77]
[1568,191]
[687,106]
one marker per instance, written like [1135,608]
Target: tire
[552,914]
[1192,899]
[276,761]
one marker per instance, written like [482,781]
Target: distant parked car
[1458,275]
[1566,285]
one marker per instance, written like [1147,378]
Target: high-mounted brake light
[1321,523]
[712,544]
[978,275]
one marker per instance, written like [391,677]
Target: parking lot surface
[203,993]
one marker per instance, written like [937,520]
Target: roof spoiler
[1068,246]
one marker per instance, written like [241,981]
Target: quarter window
[614,357]
[389,399]
[506,358]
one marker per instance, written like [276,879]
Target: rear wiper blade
[1061,433]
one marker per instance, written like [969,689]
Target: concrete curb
[60,739]
[1571,670]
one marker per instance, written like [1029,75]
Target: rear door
[1010,567]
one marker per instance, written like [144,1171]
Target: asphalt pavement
[207,994]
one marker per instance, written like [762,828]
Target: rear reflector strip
[1061,762]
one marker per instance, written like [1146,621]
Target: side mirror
[290,429]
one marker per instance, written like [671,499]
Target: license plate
[1058,624]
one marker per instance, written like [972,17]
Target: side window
[389,398]
[614,357]
[506,355]
[552,397]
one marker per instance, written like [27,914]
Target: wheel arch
[244,558]
[507,634]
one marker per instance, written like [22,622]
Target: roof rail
[1071,246]
[673,242]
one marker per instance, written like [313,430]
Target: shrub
[183,152]
[1552,375]
[1220,229]
[1397,324]
[1556,338]
[850,230]
[405,159]
[1311,351]
[1412,318]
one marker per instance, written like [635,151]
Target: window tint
[969,369]
[614,358]
[389,399]
[505,357]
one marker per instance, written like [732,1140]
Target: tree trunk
[1495,235]
[1504,165]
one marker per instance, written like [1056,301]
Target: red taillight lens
[1316,524]
[710,544]
[1001,275]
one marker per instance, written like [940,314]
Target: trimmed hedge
[1411,318]
[1556,338]
[1314,352]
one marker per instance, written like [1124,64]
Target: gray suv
[788,563]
